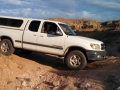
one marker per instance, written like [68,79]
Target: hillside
[45,72]
[89,25]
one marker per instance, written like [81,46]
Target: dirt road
[45,72]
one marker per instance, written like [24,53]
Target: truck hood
[84,39]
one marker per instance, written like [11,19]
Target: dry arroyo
[45,72]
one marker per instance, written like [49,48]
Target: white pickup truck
[50,37]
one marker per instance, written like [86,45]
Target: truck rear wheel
[76,60]
[6,47]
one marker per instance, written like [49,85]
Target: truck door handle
[34,35]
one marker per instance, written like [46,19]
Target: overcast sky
[102,10]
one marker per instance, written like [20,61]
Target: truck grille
[102,47]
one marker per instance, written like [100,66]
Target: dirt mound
[18,73]
[8,70]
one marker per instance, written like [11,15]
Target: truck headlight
[95,46]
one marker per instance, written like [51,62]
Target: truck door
[48,41]
[30,35]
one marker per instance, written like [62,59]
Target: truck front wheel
[75,60]
[6,47]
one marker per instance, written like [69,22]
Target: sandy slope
[42,72]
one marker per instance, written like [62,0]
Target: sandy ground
[45,72]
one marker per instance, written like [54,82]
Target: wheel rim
[75,60]
[4,47]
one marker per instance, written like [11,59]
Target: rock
[43,86]
[97,87]
[56,83]
[117,88]
[70,87]
[91,88]
[56,88]
[24,83]
[84,85]
[17,88]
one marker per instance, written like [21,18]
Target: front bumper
[96,55]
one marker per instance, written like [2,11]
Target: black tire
[6,47]
[25,51]
[75,60]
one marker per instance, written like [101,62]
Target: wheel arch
[7,37]
[72,48]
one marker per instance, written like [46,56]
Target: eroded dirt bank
[42,72]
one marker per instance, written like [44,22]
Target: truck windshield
[67,30]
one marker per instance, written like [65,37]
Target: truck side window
[34,25]
[3,21]
[15,23]
[11,22]
[49,28]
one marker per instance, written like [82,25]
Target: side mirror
[58,32]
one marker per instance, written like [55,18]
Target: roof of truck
[30,19]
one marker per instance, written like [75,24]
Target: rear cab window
[34,25]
